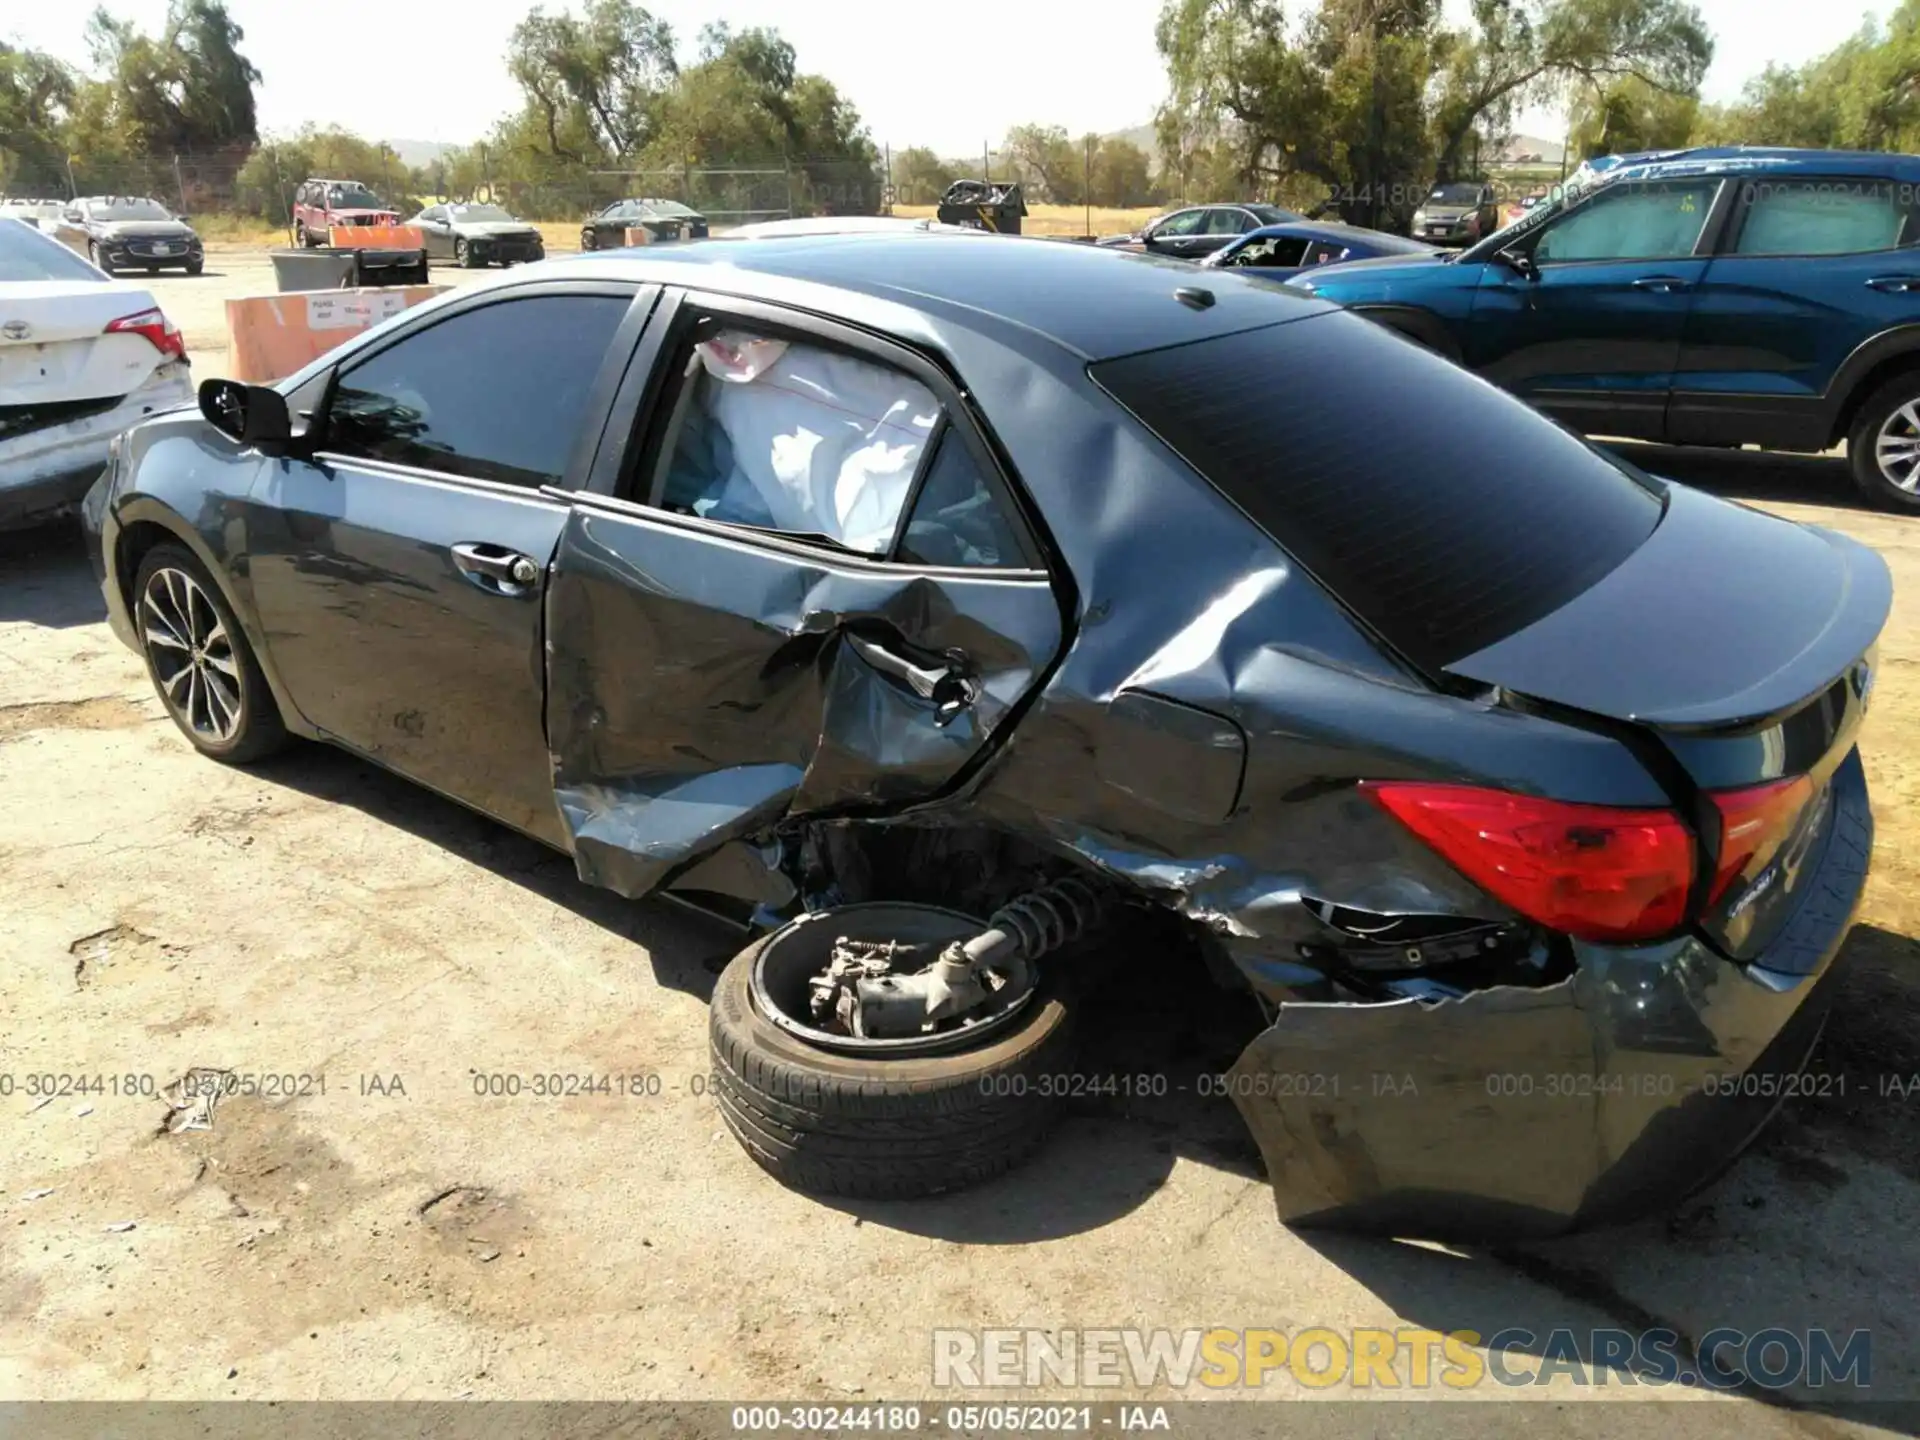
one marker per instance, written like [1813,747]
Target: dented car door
[812,591]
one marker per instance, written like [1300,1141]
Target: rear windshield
[26,254]
[1444,513]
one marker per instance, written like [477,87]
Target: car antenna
[1194,297]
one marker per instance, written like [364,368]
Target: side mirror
[251,414]
[1519,262]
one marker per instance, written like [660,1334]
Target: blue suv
[1721,296]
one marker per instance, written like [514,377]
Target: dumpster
[983,205]
[329,267]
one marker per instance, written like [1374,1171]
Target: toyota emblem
[17,330]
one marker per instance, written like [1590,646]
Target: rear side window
[1444,513]
[26,254]
[496,393]
[1819,217]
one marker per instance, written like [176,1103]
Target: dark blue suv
[1721,297]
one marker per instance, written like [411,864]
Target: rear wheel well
[1907,361]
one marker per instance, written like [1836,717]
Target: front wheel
[463,255]
[199,660]
[194,267]
[589,240]
[102,262]
[1883,447]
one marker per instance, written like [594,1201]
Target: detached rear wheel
[1883,448]
[201,665]
[876,1123]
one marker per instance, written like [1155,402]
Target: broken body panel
[1177,706]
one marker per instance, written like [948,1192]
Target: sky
[958,77]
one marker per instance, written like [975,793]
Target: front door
[813,594]
[1592,334]
[399,573]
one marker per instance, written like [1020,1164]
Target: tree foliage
[1862,95]
[1374,98]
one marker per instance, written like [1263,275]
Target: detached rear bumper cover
[1531,1112]
[46,470]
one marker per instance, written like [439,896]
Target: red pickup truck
[319,205]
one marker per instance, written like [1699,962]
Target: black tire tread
[263,733]
[882,1129]
[1866,423]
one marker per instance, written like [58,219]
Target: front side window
[1633,220]
[1187,222]
[1228,222]
[1819,217]
[785,435]
[498,393]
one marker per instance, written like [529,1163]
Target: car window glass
[1325,253]
[1637,220]
[1228,222]
[1187,222]
[957,519]
[791,436]
[498,393]
[1819,217]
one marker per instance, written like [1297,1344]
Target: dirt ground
[370,1225]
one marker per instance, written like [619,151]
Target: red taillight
[1591,871]
[1753,823]
[158,330]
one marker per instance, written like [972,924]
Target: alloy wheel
[1896,449]
[192,655]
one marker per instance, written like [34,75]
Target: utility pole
[986,161]
[888,192]
[179,183]
[1087,193]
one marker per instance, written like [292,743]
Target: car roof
[1780,158]
[1095,301]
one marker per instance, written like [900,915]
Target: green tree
[1122,175]
[37,95]
[1371,98]
[1631,115]
[187,89]
[1864,94]
[921,177]
[592,82]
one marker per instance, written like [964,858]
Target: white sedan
[82,357]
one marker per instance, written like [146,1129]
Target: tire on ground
[832,1124]
[261,731]
[1861,447]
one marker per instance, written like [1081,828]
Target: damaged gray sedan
[946,607]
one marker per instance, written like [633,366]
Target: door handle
[1897,284]
[494,567]
[951,688]
[1663,284]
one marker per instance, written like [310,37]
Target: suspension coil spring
[1047,919]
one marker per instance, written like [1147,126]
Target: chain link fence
[258,182]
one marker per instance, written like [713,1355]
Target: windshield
[126,210]
[26,254]
[1459,193]
[478,212]
[353,197]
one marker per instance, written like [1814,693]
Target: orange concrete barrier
[377,237]
[639,235]
[269,337]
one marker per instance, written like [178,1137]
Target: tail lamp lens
[154,326]
[1591,871]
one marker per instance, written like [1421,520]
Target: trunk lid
[54,347]
[1738,650]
